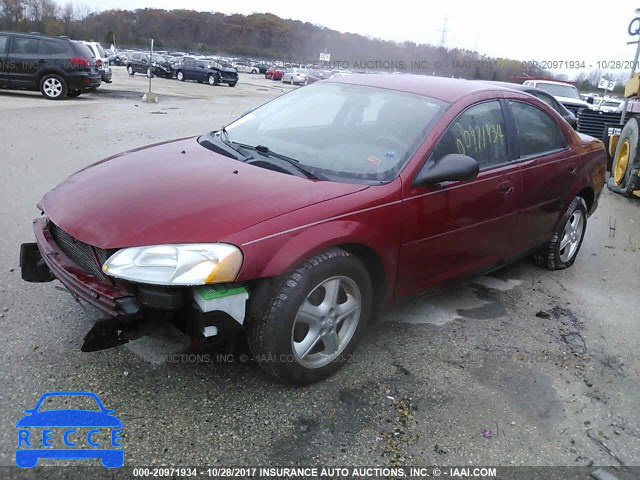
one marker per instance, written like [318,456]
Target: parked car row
[183,68]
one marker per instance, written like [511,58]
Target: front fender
[278,254]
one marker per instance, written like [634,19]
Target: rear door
[547,171]
[23,60]
[4,66]
[188,69]
[201,71]
[458,228]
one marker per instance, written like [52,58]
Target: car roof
[441,88]
[36,35]
[553,82]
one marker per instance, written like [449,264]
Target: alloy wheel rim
[571,235]
[211,80]
[622,161]
[326,322]
[52,87]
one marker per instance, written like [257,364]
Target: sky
[544,30]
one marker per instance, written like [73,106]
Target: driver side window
[478,132]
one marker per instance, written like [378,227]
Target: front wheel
[130,70]
[53,87]
[563,248]
[232,84]
[180,75]
[315,319]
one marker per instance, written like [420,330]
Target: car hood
[228,70]
[572,101]
[69,418]
[176,192]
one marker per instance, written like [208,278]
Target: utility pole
[444,31]
[150,96]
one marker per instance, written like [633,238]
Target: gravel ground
[522,367]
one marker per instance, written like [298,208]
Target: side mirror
[450,168]
[590,100]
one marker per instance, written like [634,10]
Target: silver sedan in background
[295,76]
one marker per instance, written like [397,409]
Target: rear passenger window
[538,133]
[3,43]
[51,47]
[478,132]
[24,45]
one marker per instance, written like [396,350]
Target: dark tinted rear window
[52,47]
[3,43]
[81,49]
[24,45]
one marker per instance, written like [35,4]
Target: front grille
[592,122]
[81,253]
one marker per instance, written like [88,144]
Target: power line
[444,32]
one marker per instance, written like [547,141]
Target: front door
[458,228]
[23,60]
[4,66]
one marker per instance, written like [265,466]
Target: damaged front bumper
[112,300]
[199,312]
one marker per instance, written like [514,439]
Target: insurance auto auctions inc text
[373,472]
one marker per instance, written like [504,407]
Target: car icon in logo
[82,433]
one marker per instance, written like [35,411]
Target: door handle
[42,60]
[506,188]
[571,168]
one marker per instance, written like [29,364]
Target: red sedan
[274,73]
[296,232]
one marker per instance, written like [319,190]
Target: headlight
[180,264]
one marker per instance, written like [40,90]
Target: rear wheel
[562,250]
[53,87]
[180,75]
[232,84]
[315,319]
[626,161]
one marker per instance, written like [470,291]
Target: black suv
[138,62]
[57,66]
[206,70]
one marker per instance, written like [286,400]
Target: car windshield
[346,132]
[64,402]
[158,58]
[557,90]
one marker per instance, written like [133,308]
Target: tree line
[260,35]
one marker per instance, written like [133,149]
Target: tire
[571,228]
[626,161]
[130,70]
[232,84]
[254,71]
[211,79]
[53,87]
[180,75]
[277,337]
[74,93]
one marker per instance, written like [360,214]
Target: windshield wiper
[267,152]
[224,138]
